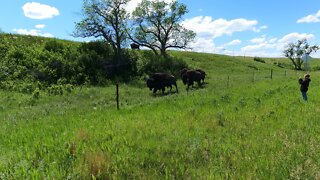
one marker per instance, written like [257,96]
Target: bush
[257,59]
[151,63]
[281,65]
[36,93]
[27,61]
[54,46]
[316,68]
[55,89]
[253,67]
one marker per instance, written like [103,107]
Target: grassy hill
[241,124]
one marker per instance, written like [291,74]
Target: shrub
[316,68]
[55,89]
[54,46]
[281,65]
[36,93]
[257,59]
[150,64]
[253,67]
[27,61]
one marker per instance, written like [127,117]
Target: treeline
[29,63]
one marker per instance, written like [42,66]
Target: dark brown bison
[159,81]
[183,71]
[202,73]
[134,46]
[190,76]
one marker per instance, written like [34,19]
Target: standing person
[304,84]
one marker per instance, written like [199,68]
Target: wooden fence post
[253,77]
[117,94]
[271,73]
[228,82]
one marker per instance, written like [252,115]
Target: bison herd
[159,81]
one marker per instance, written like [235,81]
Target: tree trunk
[163,50]
[164,53]
[294,64]
[299,64]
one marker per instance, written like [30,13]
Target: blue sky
[234,27]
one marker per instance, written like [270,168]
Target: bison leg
[163,90]
[199,83]
[170,88]
[155,91]
[190,83]
[176,87]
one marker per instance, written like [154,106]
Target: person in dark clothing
[304,84]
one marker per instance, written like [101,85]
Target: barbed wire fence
[256,76]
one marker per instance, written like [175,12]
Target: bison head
[183,71]
[150,83]
[184,78]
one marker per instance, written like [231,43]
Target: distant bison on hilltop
[134,46]
[190,76]
[159,81]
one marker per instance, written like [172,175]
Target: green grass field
[241,125]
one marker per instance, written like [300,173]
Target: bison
[134,46]
[203,73]
[190,76]
[159,81]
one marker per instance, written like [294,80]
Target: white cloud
[273,40]
[203,45]
[263,39]
[265,47]
[208,29]
[234,42]
[258,47]
[132,5]
[313,18]
[40,26]
[293,37]
[263,27]
[260,28]
[32,32]
[258,40]
[205,26]
[36,10]
[262,46]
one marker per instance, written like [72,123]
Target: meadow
[242,124]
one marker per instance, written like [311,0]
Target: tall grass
[250,126]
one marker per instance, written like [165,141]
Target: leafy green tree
[295,52]
[106,19]
[157,26]
[92,57]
